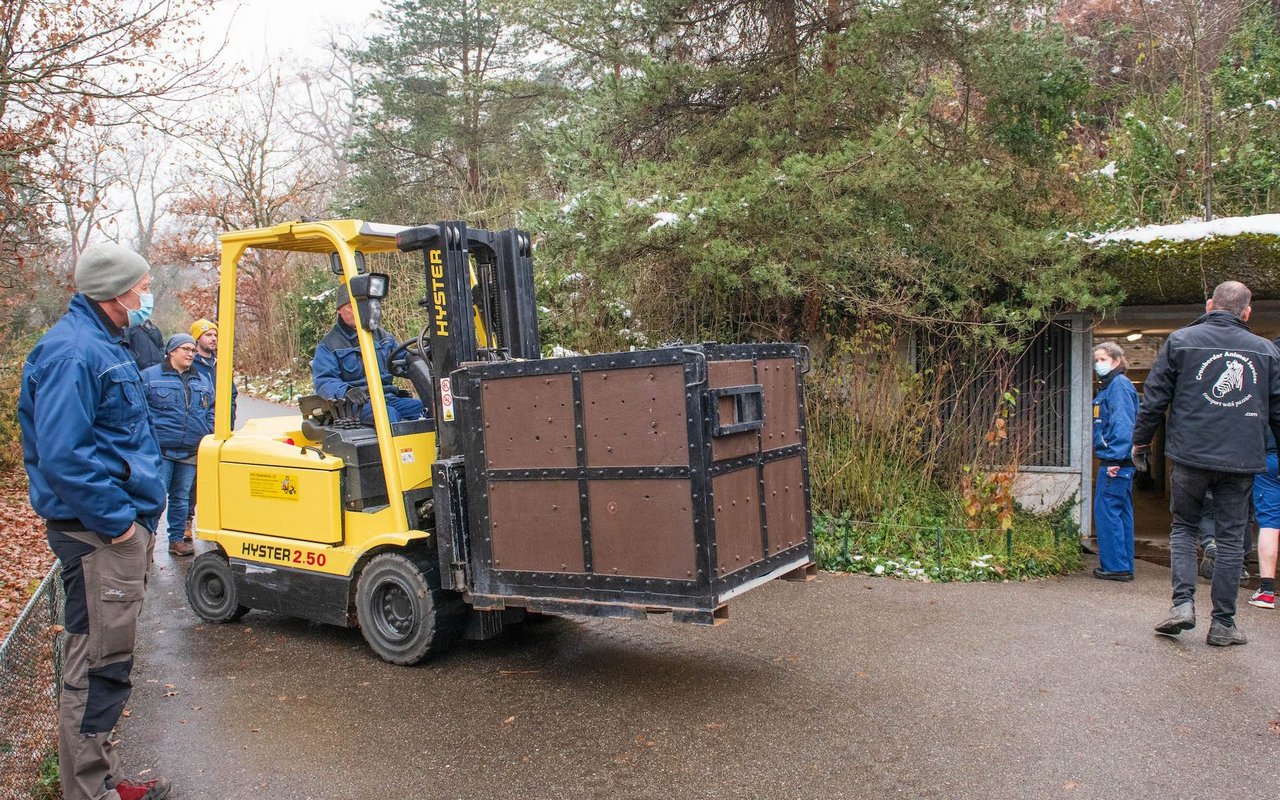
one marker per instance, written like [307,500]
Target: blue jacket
[208,367]
[337,366]
[1114,410]
[87,441]
[181,408]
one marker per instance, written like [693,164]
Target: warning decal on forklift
[277,485]
[446,399]
[406,455]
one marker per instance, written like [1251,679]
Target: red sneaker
[1263,599]
[142,790]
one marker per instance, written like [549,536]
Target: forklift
[664,481]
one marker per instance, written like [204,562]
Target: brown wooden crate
[721,374]
[642,528]
[536,526]
[635,417]
[781,408]
[784,504]
[736,497]
[528,422]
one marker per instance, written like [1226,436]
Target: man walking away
[92,461]
[1221,386]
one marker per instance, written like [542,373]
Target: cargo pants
[105,584]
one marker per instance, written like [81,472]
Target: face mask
[143,313]
[1103,370]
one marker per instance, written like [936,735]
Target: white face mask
[1103,370]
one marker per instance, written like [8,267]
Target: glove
[357,396]
[1141,457]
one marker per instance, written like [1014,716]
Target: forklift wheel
[211,589]
[403,613]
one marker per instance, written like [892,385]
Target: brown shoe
[181,549]
[186,535]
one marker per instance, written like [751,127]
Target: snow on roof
[1266,224]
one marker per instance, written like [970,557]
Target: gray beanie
[341,297]
[178,340]
[106,271]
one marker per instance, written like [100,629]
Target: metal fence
[30,672]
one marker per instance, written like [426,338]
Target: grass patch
[940,548]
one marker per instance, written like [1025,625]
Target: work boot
[1223,635]
[186,535]
[181,549]
[142,790]
[1182,617]
[1107,575]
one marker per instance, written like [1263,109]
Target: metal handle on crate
[806,359]
[747,411]
[700,370]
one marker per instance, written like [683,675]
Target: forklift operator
[338,372]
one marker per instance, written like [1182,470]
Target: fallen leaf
[170,694]
[1069,785]
[715,726]
[126,713]
[1274,726]
[508,720]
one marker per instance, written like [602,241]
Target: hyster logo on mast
[437,293]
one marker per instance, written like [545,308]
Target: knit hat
[342,296]
[106,271]
[202,326]
[177,340]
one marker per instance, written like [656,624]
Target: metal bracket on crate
[806,360]
[700,367]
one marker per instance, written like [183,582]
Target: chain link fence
[30,673]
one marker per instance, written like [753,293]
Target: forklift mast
[499,292]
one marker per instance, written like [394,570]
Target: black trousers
[1232,493]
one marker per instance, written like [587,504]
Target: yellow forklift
[619,485]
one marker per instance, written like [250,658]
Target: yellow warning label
[277,485]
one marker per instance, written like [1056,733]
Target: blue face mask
[146,302]
[1103,370]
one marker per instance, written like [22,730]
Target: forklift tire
[211,589]
[403,613]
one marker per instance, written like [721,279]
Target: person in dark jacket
[1221,386]
[1114,410]
[146,342]
[91,458]
[181,403]
[338,372]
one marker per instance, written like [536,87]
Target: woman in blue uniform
[1115,408]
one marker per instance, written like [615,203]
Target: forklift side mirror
[335,263]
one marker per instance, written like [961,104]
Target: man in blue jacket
[181,403]
[1221,386]
[338,372]
[92,462]
[205,332]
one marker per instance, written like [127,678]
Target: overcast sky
[259,31]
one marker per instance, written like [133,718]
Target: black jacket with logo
[1221,385]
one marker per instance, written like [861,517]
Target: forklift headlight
[371,286]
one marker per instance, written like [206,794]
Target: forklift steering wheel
[396,363]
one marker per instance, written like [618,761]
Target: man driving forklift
[338,373]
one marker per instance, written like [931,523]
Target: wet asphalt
[844,687]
